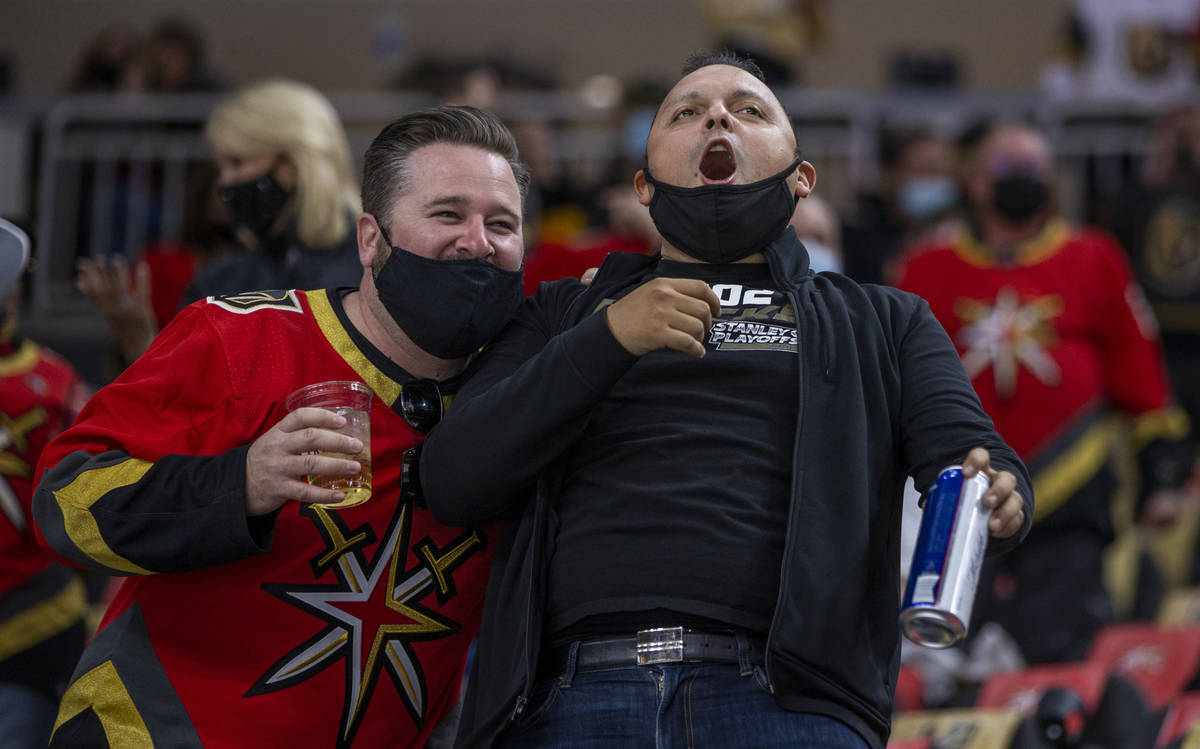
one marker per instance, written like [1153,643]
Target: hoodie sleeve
[941,419]
[526,400]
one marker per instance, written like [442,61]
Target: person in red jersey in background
[42,603]
[1057,339]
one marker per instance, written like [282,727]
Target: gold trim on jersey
[385,387]
[1054,484]
[1041,246]
[75,500]
[43,621]
[20,361]
[102,690]
[1163,423]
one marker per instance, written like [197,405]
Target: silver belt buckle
[662,645]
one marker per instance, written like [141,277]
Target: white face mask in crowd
[821,258]
[926,197]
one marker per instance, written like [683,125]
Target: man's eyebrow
[458,201]
[451,200]
[739,93]
[689,96]
[745,93]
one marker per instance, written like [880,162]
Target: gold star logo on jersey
[1008,335]
[373,614]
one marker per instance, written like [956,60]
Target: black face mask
[449,308]
[256,204]
[1019,197]
[723,223]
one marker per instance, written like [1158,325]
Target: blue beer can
[945,566]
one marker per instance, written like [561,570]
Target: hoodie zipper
[788,543]
[530,654]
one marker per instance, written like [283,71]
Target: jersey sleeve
[1136,378]
[151,477]
[1135,372]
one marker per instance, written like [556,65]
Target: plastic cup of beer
[352,400]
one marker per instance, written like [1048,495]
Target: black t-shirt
[674,508]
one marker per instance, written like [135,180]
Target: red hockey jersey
[40,393]
[40,600]
[1051,340]
[307,627]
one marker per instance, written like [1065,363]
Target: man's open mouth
[717,165]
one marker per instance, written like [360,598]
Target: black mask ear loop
[391,247]
[383,232]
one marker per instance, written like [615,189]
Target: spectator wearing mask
[702,455]
[817,227]
[918,192]
[285,175]
[1060,345]
[252,613]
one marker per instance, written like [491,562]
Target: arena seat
[1116,714]
[1160,661]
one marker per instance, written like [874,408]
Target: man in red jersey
[253,615]
[1057,340]
[41,602]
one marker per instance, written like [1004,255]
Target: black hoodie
[882,396]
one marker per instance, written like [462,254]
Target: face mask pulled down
[723,223]
[449,308]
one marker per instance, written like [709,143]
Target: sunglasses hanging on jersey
[420,404]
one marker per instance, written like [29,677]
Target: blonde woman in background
[286,178]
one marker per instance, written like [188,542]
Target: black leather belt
[651,646]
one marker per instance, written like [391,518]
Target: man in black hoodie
[701,458]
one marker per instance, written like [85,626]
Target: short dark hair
[721,57]
[385,166]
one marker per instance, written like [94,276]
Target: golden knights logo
[1171,248]
[372,614]
[1007,335]
[244,304]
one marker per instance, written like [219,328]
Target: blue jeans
[26,716]
[692,705]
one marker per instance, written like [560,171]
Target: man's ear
[806,179]
[644,190]
[370,240]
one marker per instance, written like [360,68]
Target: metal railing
[111,170]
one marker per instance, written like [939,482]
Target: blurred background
[102,103]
